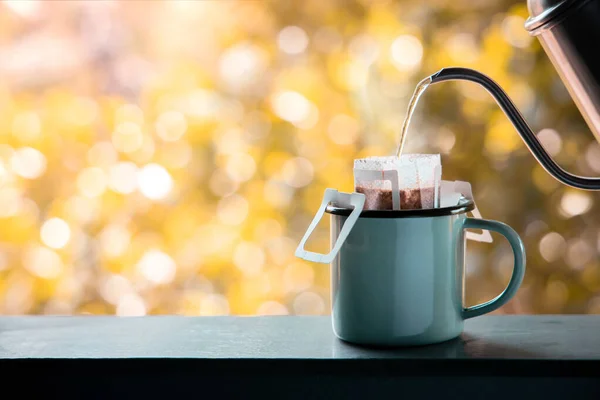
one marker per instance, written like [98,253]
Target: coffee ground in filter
[410,199]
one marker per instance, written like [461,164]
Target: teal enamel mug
[398,277]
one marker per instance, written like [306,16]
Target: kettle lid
[543,11]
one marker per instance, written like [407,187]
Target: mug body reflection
[398,278]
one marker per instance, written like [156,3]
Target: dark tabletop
[111,357]
[285,337]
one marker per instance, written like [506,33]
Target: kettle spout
[516,118]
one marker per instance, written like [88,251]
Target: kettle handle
[516,118]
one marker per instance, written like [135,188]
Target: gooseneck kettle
[569,31]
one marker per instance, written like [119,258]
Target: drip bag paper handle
[369,176]
[357,200]
[465,189]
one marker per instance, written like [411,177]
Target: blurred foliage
[166,156]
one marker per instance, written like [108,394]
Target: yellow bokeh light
[291,106]
[122,177]
[28,163]
[11,201]
[298,276]
[18,294]
[203,103]
[240,167]
[157,267]
[28,9]
[353,75]
[267,229]
[127,137]
[297,172]
[102,154]
[550,140]
[131,305]
[213,239]
[55,233]
[114,287]
[6,152]
[221,184]
[281,249]
[43,262]
[579,253]
[575,203]
[309,303]
[145,153]
[277,193]
[92,182]
[552,246]
[171,126]
[292,40]
[241,65]
[214,304]
[154,181]
[462,47]
[81,208]
[343,129]
[6,176]
[249,258]
[327,39]
[114,240]
[365,48]
[233,209]
[406,52]
[176,155]
[513,32]
[311,119]
[230,141]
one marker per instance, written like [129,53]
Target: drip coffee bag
[408,182]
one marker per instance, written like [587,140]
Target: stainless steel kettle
[569,31]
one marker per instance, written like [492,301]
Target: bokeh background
[162,157]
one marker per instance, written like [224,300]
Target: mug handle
[518,270]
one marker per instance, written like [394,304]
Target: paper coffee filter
[418,170]
[391,183]
[369,172]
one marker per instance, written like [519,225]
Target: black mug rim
[464,206]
